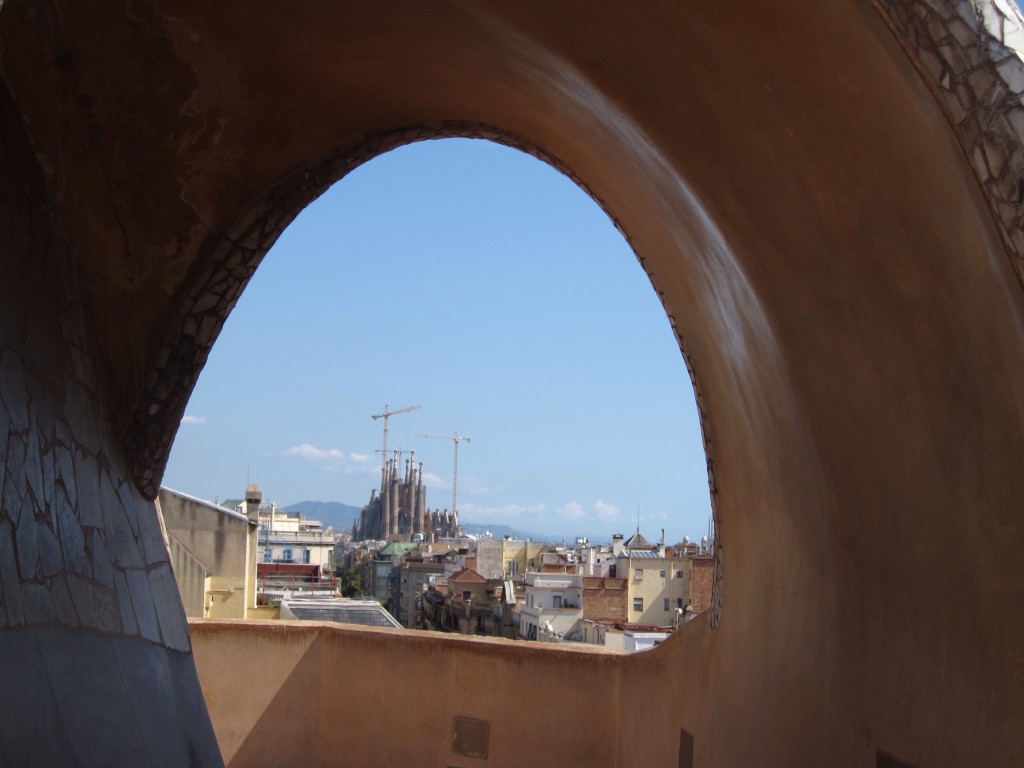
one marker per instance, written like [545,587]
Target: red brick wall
[703,571]
[604,599]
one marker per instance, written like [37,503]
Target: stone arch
[213,289]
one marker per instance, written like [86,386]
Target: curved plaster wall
[827,200]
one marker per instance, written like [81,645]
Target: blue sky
[482,284]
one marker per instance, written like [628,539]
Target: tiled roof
[397,548]
[642,554]
[367,613]
[467,574]
[637,541]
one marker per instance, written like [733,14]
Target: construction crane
[456,438]
[385,416]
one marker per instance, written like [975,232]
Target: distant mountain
[500,531]
[327,512]
[341,516]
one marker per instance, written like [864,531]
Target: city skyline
[479,283]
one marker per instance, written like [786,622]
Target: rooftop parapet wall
[307,686]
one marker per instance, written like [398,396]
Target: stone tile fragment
[129,503]
[119,537]
[62,604]
[124,600]
[14,483]
[72,540]
[51,559]
[27,541]
[96,606]
[142,600]
[10,579]
[168,605]
[102,567]
[38,604]
[154,546]
[13,391]
[5,423]
[87,478]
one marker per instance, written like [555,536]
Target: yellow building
[657,584]
[213,553]
[518,556]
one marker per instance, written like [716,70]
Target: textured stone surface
[972,54]
[74,531]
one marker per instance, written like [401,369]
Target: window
[611,572]
[679,574]
[638,574]
[638,604]
[662,574]
[666,605]
[305,556]
[679,602]
[266,555]
[556,601]
[287,555]
[467,595]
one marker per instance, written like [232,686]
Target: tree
[351,585]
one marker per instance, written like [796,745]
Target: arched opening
[475,279]
[471,277]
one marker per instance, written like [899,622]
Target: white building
[553,608]
[288,537]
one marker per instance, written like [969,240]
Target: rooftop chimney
[253,499]
[617,544]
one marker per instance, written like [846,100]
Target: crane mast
[386,415]
[456,439]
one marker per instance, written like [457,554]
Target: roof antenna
[638,517]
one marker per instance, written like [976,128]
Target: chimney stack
[253,499]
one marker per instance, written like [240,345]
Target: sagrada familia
[399,508]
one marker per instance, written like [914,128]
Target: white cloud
[193,419]
[474,487]
[362,469]
[500,514]
[482,490]
[654,516]
[570,511]
[360,458]
[433,481]
[606,511]
[312,453]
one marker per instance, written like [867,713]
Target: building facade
[553,608]
[213,552]
[409,582]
